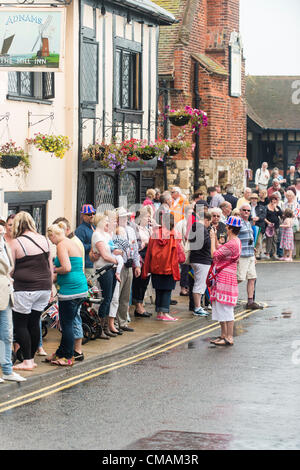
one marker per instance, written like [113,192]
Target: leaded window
[89,72]
[127,79]
[129,188]
[36,85]
[105,191]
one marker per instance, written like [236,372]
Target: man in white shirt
[262,176]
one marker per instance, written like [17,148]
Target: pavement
[147,333]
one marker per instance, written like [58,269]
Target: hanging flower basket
[12,156]
[181,120]
[55,144]
[9,161]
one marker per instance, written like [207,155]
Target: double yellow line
[70,382]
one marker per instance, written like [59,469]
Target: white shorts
[200,275]
[246,269]
[25,301]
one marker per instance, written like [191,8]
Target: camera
[250,242]
[129,263]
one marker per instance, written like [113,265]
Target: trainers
[1,381]
[254,306]
[165,318]
[200,312]
[14,377]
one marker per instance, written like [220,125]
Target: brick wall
[209,33]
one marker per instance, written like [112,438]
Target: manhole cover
[177,440]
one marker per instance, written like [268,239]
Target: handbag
[270,231]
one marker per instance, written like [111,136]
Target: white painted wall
[47,172]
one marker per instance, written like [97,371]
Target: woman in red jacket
[162,260]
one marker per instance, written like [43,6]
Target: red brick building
[201,64]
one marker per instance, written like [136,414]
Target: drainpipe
[79,167]
[197,139]
[166,131]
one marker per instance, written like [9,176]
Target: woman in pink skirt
[224,291]
[287,236]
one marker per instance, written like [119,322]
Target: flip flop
[216,339]
[226,343]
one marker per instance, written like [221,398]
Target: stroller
[89,308]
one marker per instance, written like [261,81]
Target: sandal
[216,339]
[225,343]
[62,361]
[51,358]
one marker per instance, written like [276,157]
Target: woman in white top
[102,245]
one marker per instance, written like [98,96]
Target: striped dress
[225,290]
[287,235]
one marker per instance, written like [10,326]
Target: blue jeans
[162,300]
[68,309]
[6,336]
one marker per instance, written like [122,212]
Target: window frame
[36,82]
[134,50]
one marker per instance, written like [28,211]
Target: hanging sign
[31,39]
[235,45]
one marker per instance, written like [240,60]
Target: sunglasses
[246,210]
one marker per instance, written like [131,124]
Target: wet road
[195,396]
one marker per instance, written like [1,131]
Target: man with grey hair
[246,266]
[262,176]
[178,204]
[244,199]
[226,209]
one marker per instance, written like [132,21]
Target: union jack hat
[87,209]
[234,221]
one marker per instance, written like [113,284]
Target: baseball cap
[87,209]
[233,221]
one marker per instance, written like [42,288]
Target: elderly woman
[143,230]
[224,289]
[72,289]
[32,285]
[220,227]
[292,176]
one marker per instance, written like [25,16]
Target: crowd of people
[208,244]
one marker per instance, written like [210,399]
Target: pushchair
[89,308]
